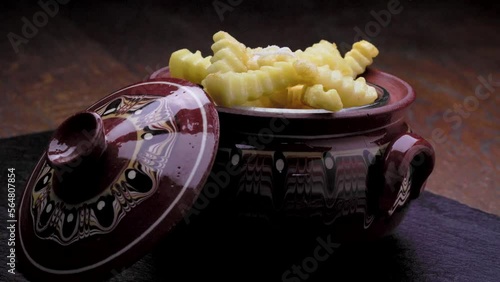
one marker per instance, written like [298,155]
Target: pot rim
[398,100]
[401,95]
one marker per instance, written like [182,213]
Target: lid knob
[73,153]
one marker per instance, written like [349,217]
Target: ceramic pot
[157,156]
[352,173]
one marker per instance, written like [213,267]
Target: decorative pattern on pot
[326,185]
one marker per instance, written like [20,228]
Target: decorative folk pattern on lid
[66,223]
[149,149]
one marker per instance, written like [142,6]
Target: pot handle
[408,162]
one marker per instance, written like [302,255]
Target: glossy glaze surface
[355,186]
[116,178]
[352,172]
[153,156]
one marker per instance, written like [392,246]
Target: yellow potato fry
[307,71]
[224,61]
[352,92]
[190,66]
[260,57]
[262,102]
[325,53]
[234,89]
[295,97]
[316,97]
[318,77]
[279,98]
[291,98]
[229,54]
[360,56]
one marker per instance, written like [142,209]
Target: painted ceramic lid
[116,178]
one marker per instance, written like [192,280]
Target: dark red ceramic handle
[408,162]
[74,152]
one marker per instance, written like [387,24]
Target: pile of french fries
[274,77]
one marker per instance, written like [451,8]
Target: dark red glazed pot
[157,157]
[353,172]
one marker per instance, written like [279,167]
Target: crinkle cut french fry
[229,54]
[234,89]
[260,57]
[295,97]
[190,66]
[279,98]
[262,102]
[291,98]
[225,61]
[360,56]
[352,92]
[273,76]
[307,71]
[325,53]
[316,97]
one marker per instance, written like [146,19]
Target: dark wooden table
[449,52]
